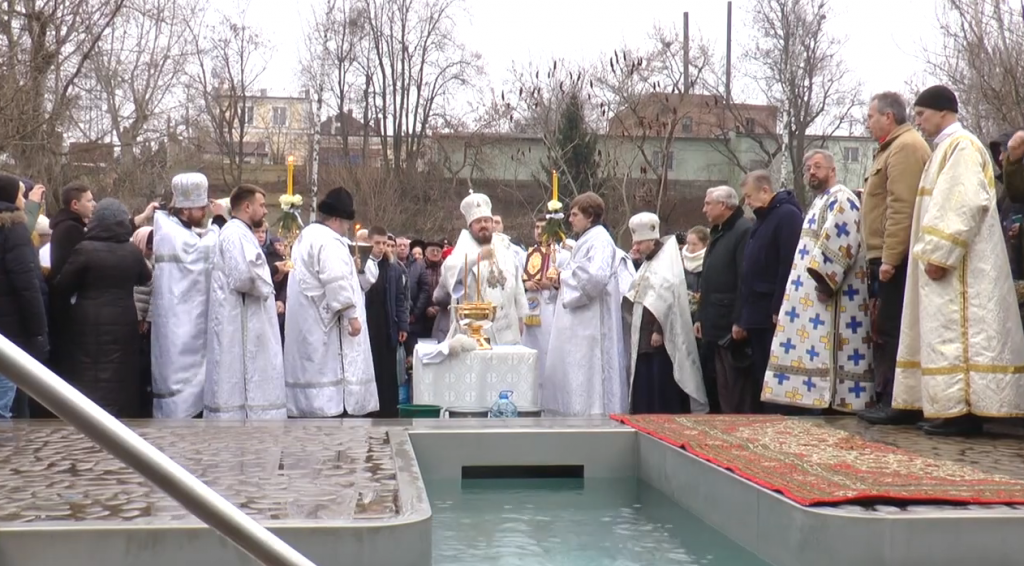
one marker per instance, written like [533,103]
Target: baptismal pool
[570,522]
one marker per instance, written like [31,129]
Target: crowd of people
[884,301]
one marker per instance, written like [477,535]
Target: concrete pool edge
[399,540]
[766,523]
[787,534]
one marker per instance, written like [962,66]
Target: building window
[750,125]
[851,154]
[250,115]
[687,125]
[280,116]
[669,163]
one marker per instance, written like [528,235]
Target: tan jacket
[890,191]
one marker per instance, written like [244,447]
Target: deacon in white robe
[244,373]
[180,300]
[664,365]
[585,372]
[961,350]
[327,362]
[541,265]
[821,353]
[481,251]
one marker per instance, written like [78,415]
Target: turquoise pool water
[570,523]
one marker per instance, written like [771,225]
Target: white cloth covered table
[474,379]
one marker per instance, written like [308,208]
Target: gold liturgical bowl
[476,313]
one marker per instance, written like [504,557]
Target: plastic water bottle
[504,408]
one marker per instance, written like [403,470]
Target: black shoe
[890,416]
[967,425]
[921,425]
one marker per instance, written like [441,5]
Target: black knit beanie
[938,98]
[10,188]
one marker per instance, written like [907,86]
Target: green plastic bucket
[419,411]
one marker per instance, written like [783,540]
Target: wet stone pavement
[283,471]
[1000,451]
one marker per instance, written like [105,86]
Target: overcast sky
[884,37]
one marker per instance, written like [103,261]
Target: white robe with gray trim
[244,373]
[327,372]
[178,312]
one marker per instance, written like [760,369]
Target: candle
[554,185]
[478,298]
[465,280]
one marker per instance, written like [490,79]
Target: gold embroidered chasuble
[961,344]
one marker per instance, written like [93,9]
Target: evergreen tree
[576,148]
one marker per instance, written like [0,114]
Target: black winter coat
[768,260]
[22,312]
[103,330]
[720,285]
[419,297]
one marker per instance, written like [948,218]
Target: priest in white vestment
[961,353]
[244,373]
[664,366]
[541,266]
[821,353]
[480,250]
[182,256]
[585,372]
[328,368]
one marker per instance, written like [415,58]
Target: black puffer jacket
[22,314]
[103,330]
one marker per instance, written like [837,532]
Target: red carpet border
[814,464]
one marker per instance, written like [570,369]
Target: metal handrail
[119,441]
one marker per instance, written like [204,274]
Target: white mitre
[190,190]
[475,206]
[644,226]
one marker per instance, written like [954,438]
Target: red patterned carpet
[812,464]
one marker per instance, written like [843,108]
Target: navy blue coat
[769,259]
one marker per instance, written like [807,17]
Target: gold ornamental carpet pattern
[814,464]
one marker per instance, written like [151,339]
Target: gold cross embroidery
[824,340]
[794,395]
[806,302]
[799,363]
[803,334]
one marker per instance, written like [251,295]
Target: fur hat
[109,211]
[338,204]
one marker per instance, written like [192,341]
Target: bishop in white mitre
[328,368]
[821,352]
[479,250]
[244,373]
[664,368]
[541,266]
[585,372]
[961,353]
[183,256]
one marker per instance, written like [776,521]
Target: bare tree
[414,66]
[48,44]
[230,61]
[646,99]
[979,58]
[136,74]
[797,66]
